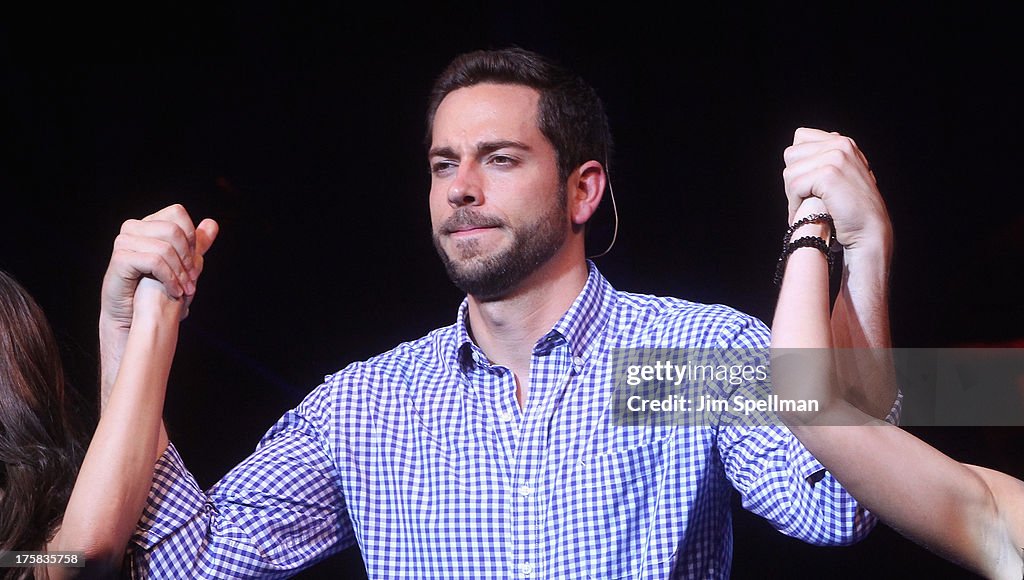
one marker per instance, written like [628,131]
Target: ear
[585,190]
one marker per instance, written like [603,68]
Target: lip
[463,231]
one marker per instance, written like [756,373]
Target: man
[487,448]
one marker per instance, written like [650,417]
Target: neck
[507,329]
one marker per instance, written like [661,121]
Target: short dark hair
[570,113]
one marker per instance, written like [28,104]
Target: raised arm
[279,511]
[832,167]
[117,473]
[971,516]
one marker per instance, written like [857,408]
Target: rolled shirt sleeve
[279,511]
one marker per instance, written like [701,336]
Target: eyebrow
[482,148]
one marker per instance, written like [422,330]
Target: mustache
[465,218]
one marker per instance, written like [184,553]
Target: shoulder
[679,322]
[427,353]
[408,363]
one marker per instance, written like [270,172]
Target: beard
[491,277]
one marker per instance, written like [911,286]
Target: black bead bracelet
[789,245]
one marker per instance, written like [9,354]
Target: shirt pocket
[615,504]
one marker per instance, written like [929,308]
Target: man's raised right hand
[165,246]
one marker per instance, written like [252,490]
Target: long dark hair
[41,443]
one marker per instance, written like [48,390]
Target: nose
[466,188]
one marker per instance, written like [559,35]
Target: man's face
[497,206]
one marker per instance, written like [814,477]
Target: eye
[442,168]
[503,160]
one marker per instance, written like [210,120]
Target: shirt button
[526,568]
[577,361]
[504,416]
[525,489]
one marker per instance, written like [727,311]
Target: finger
[810,206]
[800,151]
[187,307]
[794,204]
[860,154]
[813,177]
[176,214]
[136,259]
[851,147]
[167,231]
[808,149]
[833,141]
[810,135]
[814,182]
[798,186]
[847,161]
[131,266]
[797,190]
[830,174]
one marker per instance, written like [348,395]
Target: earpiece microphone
[615,212]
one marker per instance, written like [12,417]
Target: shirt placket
[549,371]
[506,420]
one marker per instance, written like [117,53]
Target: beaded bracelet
[789,246]
[814,218]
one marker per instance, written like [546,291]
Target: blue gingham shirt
[423,457]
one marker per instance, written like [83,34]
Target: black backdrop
[300,130]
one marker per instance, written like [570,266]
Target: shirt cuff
[804,463]
[174,499]
[897,408]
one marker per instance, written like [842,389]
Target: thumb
[206,233]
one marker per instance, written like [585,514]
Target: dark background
[300,130]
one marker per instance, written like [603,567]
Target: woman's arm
[925,495]
[117,472]
[831,167]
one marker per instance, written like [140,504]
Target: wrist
[157,313]
[868,260]
[818,229]
[873,243]
[152,304]
[112,339]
